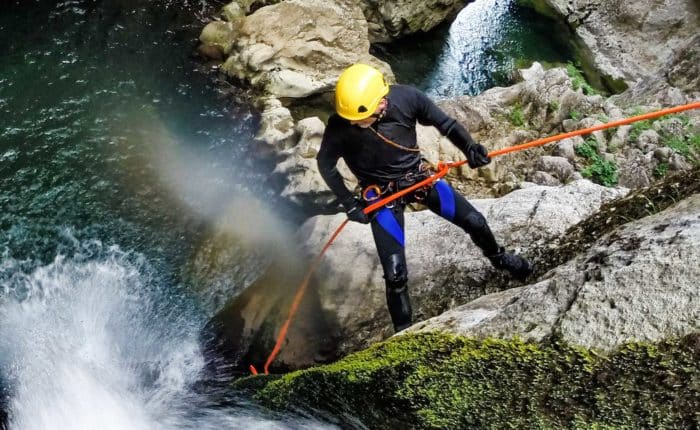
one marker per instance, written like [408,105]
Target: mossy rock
[442,381]
[636,205]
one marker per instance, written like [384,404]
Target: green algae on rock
[441,381]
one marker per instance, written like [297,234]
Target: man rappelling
[374,131]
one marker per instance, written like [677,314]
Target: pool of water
[122,162]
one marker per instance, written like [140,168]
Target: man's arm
[327,159]
[427,113]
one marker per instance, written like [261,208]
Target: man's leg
[444,201]
[388,231]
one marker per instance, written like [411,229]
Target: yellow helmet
[358,92]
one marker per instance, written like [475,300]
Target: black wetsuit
[375,162]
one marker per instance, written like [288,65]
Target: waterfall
[101,343]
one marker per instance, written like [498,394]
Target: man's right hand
[354,210]
[477,156]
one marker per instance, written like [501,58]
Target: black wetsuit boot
[518,267]
[399,306]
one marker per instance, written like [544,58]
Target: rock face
[628,42]
[445,269]
[297,48]
[612,293]
[392,19]
[639,282]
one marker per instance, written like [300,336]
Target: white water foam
[84,345]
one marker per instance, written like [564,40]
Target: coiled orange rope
[442,169]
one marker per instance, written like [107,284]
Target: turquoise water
[93,98]
[121,162]
[485,44]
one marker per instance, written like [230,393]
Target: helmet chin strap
[385,103]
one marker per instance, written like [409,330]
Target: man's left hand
[477,156]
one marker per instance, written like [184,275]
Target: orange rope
[297,298]
[589,130]
[443,168]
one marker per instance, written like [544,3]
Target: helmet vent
[362,109]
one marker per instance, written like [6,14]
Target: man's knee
[475,220]
[395,273]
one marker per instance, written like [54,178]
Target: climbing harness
[441,170]
[373,192]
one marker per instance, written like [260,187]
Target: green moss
[694,142]
[553,106]
[441,381]
[588,149]
[579,81]
[661,170]
[687,146]
[598,169]
[679,145]
[684,143]
[516,116]
[602,171]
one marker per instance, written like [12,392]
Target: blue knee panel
[388,222]
[447,200]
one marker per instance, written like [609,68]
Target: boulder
[630,42]
[391,19]
[297,48]
[544,178]
[276,125]
[217,39]
[556,166]
[633,173]
[638,282]
[567,148]
[648,140]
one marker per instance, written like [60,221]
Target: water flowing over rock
[445,269]
[639,282]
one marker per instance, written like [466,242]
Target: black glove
[477,156]
[353,208]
